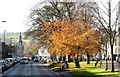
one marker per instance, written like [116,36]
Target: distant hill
[11,35]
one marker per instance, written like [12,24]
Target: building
[20,47]
[118,34]
[116,47]
[43,53]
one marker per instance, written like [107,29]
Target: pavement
[116,65]
[60,72]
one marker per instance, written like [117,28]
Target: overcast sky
[15,12]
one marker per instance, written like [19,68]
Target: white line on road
[29,69]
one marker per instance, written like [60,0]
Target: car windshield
[24,59]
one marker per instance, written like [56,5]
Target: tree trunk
[111,36]
[88,58]
[77,65]
[112,61]
[69,58]
[106,64]
[96,62]
[54,58]
[106,59]
[63,60]
[65,65]
[60,58]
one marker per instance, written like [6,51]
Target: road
[33,69]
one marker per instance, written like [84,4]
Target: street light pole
[4,35]
[4,30]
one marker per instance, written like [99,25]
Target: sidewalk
[116,65]
[63,73]
[60,72]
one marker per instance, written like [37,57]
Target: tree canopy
[66,27]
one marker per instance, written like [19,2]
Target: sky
[15,13]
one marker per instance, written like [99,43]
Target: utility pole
[4,32]
[4,36]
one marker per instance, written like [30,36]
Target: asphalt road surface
[33,69]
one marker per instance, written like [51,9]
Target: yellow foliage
[71,37]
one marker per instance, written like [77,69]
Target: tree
[49,11]
[34,47]
[107,25]
[74,37]
[62,26]
[104,45]
[5,50]
[90,43]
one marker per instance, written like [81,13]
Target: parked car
[29,58]
[114,56]
[9,61]
[118,58]
[2,66]
[45,59]
[8,64]
[36,59]
[24,61]
[14,60]
[99,56]
[18,59]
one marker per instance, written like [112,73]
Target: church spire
[20,39]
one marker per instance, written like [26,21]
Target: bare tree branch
[104,5]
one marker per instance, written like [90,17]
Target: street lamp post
[3,21]
[4,35]
[4,30]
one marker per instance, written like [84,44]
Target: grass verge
[89,70]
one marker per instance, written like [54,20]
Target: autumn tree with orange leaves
[72,37]
[67,28]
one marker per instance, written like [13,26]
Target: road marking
[29,69]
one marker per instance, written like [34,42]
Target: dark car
[36,59]
[24,61]
[114,56]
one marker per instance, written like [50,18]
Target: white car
[118,59]
[24,61]
[46,59]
